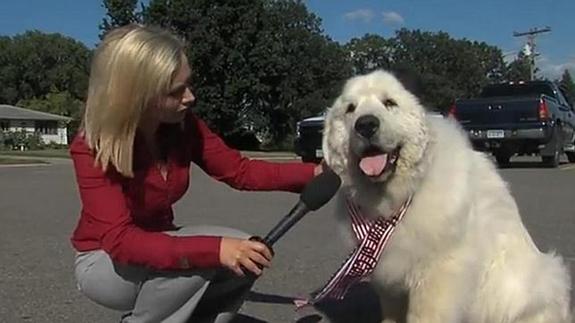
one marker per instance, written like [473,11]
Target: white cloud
[553,70]
[365,15]
[509,56]
[392,18]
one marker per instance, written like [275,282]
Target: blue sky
[492,21]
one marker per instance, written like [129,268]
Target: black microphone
[314,195]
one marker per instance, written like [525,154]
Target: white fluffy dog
[461,252]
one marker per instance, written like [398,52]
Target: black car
[310,134]
[308,139]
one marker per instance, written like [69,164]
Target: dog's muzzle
[366,126]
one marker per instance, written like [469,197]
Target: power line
[530,46]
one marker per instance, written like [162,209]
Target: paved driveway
[39,207]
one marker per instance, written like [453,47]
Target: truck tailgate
[497,111]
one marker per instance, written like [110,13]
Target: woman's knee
[112,286]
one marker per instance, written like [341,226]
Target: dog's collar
[361,224]
[372,236]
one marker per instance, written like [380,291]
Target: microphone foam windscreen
[320,190]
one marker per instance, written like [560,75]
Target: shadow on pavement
[242,318]
[361,305]
[269,298]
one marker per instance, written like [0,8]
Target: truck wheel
[571,155]
[502,159]
[551,161]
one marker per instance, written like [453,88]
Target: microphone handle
[298,211]
[251,277]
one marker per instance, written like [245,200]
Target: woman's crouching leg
[163,296]
[146,295]
[226,292]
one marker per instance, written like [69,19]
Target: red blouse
[126,216]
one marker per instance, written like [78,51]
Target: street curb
[249,154]
[24,165]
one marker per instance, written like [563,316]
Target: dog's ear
[334,139]
[410,79]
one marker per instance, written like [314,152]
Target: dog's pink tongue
[373,165]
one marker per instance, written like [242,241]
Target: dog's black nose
[366,126]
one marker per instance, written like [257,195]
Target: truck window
[525,89]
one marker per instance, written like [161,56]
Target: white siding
[30,127]
[61,138]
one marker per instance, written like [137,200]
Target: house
[50,127]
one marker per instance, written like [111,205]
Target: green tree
[519,69]
[34,64]
[220,35]
[46,72]
[9,77]
[61,103]
[119,13]
[449,68]
[259,65]
[568,87]
[369,53]
[299,69]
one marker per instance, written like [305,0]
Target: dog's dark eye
[350,108]
[389,103]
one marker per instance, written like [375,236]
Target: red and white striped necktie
[372,236]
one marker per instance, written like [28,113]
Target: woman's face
[173,105]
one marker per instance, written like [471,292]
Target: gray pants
[146,295]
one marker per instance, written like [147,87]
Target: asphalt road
[39,207]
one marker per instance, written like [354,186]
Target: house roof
[11,112]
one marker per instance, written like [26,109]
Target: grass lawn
[19,161]
[61,153]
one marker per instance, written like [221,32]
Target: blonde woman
[132,162]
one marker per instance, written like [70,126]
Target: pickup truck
[521,118]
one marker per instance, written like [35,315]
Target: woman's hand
[319,168]
[238,253]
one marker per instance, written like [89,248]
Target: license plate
[495,133]
[318,153]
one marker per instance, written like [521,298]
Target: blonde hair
[132,67]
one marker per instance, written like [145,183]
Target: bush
[53,145]
[2,140]
[286,145]
[243,141]
[20,140]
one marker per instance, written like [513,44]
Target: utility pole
[530,46]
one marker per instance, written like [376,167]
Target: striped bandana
[372,236]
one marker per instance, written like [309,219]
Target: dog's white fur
[461,253]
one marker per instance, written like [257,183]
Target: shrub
[20,140]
